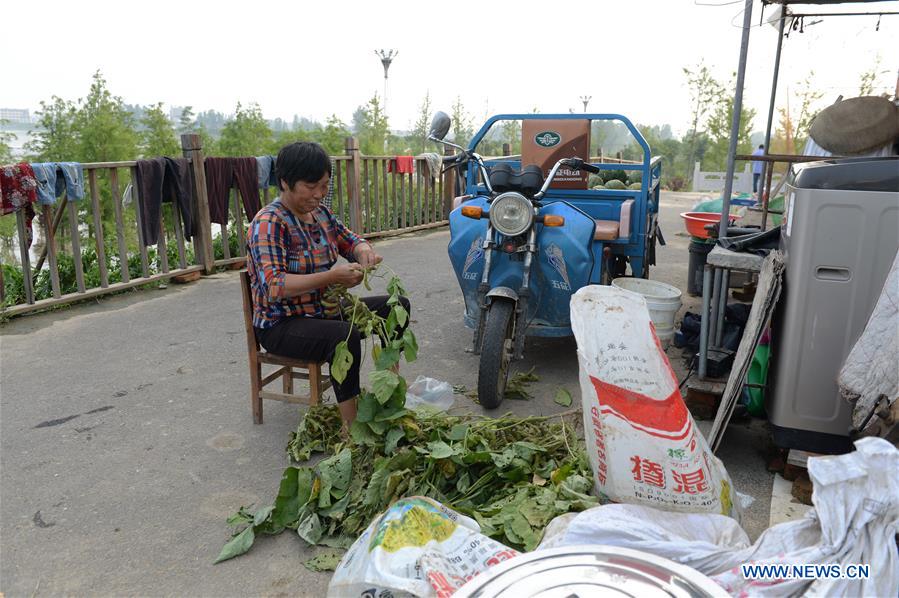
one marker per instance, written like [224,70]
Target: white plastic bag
[643,445]
[417,547]
[854,522]
[431,393]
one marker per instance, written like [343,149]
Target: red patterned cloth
[18,190]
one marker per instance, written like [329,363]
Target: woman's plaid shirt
[278,243]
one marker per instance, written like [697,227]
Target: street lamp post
[386,57]
[586,100]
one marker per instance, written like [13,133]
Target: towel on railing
[18,191]
[163,180]
[434,162]
[221,175]
[402,164]
[54,178]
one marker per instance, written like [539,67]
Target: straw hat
[856,125]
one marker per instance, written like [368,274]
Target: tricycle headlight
[511,213]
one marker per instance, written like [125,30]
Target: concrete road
[127,436]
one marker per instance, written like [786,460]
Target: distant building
[15,115]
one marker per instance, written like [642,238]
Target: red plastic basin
[697,221]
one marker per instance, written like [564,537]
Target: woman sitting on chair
[293,247]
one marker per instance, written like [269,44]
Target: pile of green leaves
[512,474]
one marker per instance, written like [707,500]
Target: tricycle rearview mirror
[440,126]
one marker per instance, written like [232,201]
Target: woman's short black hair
[302,161]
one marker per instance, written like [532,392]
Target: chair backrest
[247,294]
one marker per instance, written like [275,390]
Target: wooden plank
[385,219]
[376,184]
[191,147]
[50,240]
[17,310]
[238,219]
[226,241]
[76,246]
[338,168]
[98,227]
[353,184]
[103,165]
[411,229]
[413,221]
[230,261]
[418,193]
[277,396]
[367,194]
[162,250]
[26,259]
[435,204]
[179,237]
[395,216]
[403,201]
[57,218]
[119,227]
[135,194]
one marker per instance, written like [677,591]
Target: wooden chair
[289,370]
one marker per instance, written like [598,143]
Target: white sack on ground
[855,521]
[643,445]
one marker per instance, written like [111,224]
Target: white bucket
[663,301]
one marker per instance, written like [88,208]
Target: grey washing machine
[840,236]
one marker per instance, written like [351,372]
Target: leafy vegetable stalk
[512,474]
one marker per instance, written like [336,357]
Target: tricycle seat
[609,230]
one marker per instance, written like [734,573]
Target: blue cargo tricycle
[521,247]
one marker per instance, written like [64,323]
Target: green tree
[5,138]
[511,134]
[792,131]
[422,125]
[372,127]
[55,138]
[104,127]
[868,80]
[463,129]
[333,135]
[247,134]
[719,129]
[186,122]
[158,136]
[705,91]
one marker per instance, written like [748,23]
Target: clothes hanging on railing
[330,196]
[163,180]
[402,164]
[265,169]
[54,178]
[435,164]
[18,191]
[221,175]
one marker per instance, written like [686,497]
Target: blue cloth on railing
[73,173]
[54,178]
[265,167]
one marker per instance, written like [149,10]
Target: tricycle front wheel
[496,353]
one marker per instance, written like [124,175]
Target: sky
[318,58]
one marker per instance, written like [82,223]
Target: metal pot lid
[587,572]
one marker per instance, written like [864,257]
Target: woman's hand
[348,275]
[366,256]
